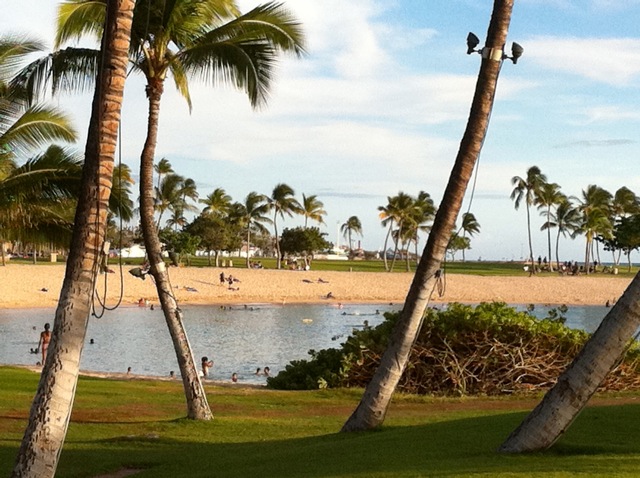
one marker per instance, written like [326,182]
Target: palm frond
[77,18]
[67,70]
[13,50]
[37,126]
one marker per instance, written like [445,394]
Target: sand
[29,286]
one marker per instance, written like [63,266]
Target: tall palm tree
[312,208]
[470,227]
[425,210]
[567,219]
[51,408]
[528,189]
[400,210]
[168,195]
[282,202]
[251,216]
[350,227]
[217,204]
[372,408]
[595,207]
[206,39]
[162,168]
[548,197]
[624,204]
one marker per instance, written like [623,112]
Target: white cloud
[613,61]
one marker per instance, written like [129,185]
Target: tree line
[612,220]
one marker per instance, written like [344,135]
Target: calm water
[238,339]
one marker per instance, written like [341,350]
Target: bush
[488,349]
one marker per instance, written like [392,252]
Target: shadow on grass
[604,441]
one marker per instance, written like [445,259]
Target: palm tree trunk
[386,242]
[51,408]
[372,409]
[533,263]
[395,251]
[248,242]
[549,239]
[601,354]
[275,230]
[197,406]
[557,249]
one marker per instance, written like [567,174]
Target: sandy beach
[28,286]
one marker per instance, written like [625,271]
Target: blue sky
[380,102]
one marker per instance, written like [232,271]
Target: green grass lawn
[486,268]
[264,433]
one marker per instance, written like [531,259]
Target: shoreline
[29,286]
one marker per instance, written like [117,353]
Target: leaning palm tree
[350,227]
[282,202]
[312,208]
[528,189]
[206,39]
[549,196]
[51,408]
[373,406]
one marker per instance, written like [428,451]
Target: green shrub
[487,349]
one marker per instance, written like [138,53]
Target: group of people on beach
[230,280]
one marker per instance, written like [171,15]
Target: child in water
[206,365]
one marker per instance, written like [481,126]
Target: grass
[139,424]
[484,268]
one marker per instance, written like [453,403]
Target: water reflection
[238,339]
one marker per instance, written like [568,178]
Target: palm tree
[425,210]
[184,38]
[217,204]
[37,199]
[595,207]
[162,168]
[548,196]
[625,203]
[168,195]
[567,219]
[312,208]
[251,216]
[528,188]
[372,408]
[25,127]
[470,226]
[400,209]
[51,408]
[282,202]
[352,226]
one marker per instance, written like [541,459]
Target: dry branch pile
[490,349]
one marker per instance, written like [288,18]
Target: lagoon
[239,339]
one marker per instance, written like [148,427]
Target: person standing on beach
[45,338]
[223,280]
